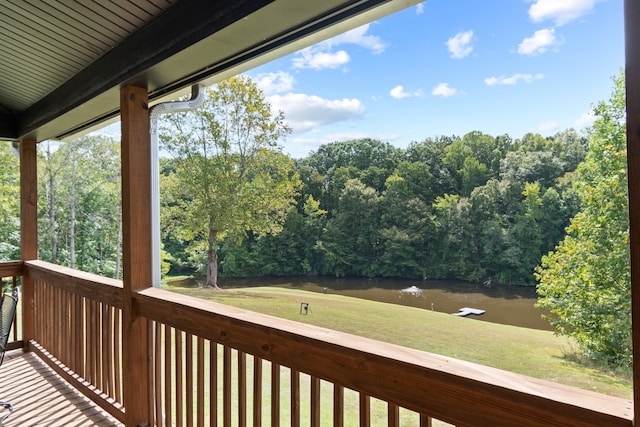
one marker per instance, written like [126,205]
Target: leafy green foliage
[229,176]
[79,191]
[9,204]
[585,282]
[475,208]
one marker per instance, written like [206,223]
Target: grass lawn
[526,351]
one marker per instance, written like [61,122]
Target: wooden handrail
[88,285]
[451,390]
[11,268]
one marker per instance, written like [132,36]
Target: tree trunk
[52,219]
[52,202]
[72,210]
[212,261]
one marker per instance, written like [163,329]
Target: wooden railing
[446,389]
[218,365]
[78,330]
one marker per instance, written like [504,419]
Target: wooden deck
[42,398]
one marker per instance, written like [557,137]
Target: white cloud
[357,36]
[276,82]
[322,55]
[419,8]
[460,44]
[317,60]
[560,11]
[398,92]
[304,112]
[512,80]
[538,43]
[585,120]
[444,90]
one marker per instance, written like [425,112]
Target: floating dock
[465,311]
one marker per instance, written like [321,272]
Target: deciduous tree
[230,174]
[585,283]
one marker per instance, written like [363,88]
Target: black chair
[8,305]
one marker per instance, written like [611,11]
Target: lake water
[511,305]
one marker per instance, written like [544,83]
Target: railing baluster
[213,383]
[117,351]
[425,421]
[78,343]
[106,351]
[95,315]
[179,390]
[189,378]
[109,351]
[338,405]
[275,394]
[393,415]
[226,387]
[168,402]
[315,402]
[242,389]
[68,320]
[200,381]
[295,398]
[157,370]
[365,410]
[59,325]
[89,342]
[95,342]
[257,391]
[57,322]
[48,312]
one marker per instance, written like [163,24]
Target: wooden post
[136,233]
[632,78]
[28,231]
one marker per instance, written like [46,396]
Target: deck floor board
[42,398]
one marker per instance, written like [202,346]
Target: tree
[230,175]
[350,243]
[532,166]
[80,190]
[9,204]
[405,224]
[585,283]
[432,152]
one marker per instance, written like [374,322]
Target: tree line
[477,208]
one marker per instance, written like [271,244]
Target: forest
[477,207]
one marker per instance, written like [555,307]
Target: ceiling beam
[8,124]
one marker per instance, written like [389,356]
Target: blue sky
[447,67]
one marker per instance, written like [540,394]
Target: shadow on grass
[216,295]
[614,375]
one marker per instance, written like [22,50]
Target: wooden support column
[28,231]
[136,233]
[632,77]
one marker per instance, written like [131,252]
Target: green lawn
[527,351]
